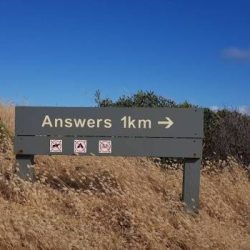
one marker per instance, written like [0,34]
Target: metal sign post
[158,132]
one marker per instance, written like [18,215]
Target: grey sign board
[119,146]
[136,122]
[158,132]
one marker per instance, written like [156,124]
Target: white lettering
[47,121]
[107,123]
[131,123]
[60,121]
[68,123]
[80,123]
[124,120]
[98,123]
[91,123]
[77,122]
[128,122]
[144,123]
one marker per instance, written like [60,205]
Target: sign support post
[25,167]
[191,183]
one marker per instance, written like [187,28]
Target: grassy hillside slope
[118,203]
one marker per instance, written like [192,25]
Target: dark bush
[226,133]
[140,99]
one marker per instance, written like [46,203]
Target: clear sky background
[60,52]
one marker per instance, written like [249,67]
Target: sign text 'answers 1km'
[144,122]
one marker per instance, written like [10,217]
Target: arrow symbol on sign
[168,122]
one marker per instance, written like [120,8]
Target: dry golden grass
[7,115]
[120,203]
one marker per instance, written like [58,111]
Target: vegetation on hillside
[4,136]
[117,203]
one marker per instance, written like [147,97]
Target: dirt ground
[119,203]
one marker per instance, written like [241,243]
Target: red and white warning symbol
[80,146]
[56,146]
[105,146]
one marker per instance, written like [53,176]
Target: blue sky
[60,52]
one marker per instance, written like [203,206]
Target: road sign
[55,146]
[105,146]
[160,132]
[134,122]
[80,146]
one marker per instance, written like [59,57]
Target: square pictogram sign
[105,146]
[56,146]
[80,146]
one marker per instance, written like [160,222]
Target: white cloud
[237,54]
[214,108]
[244,110]
[241,109]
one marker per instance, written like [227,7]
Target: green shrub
[140,99]
[226,133]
